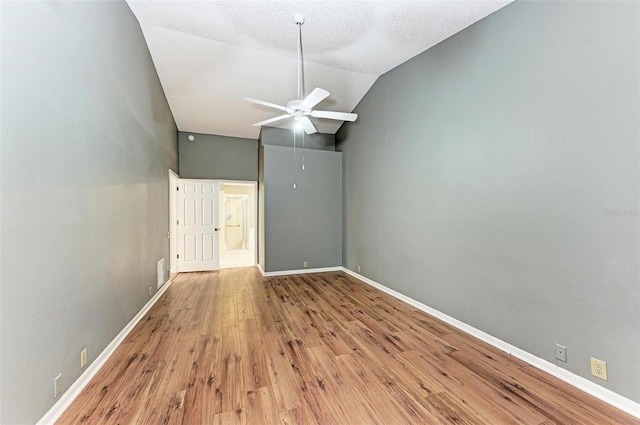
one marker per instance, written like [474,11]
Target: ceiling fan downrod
[299,20]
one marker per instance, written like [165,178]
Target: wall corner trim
[604,394]
[74,390]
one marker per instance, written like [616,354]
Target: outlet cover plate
[83,358]
[599,369]
[561,353]
[57,386]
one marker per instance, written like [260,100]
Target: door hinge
[177,221]
[178,188]
[178,256]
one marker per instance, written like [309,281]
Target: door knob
[216,229]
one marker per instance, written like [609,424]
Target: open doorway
[238,224]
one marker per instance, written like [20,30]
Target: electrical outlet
[150,291]
[561,353]
[57,386]
[599,368]
[358,269]
[83,358]
[305,264]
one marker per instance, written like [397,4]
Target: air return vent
[160,272]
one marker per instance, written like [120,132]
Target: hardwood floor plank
[298,416]
[415,410]
[230,387]
[331,384]
[229,309]
[333,336]
[420,383]
[201,396]
[165,409]
[254,361]
[484,389]
[245,307]
[231,417]
[486,353]
[540,388]
[286,386]
[134,394]
[371,389]
[201,297]
[179,354]
[373,346]
[423,341]
[453,411]
[233,347]
[260,407]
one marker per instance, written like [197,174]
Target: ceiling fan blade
[308,126]
[270,120]
[315,97]
[342,116]
[270,105]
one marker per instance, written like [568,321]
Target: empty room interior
[320,212]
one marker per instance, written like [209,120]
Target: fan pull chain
[294,158]
[303,151]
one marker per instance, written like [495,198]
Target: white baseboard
[301,271]
[608,396]
[74,390]
[261,269]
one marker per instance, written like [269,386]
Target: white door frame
[173,229]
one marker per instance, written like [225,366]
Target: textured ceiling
[210,54]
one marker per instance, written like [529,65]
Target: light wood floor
[233,347]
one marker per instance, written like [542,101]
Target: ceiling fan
[301,109]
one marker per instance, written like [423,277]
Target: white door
[197,225]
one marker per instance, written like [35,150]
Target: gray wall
[218,157]
[87,139]
[302,224]
[284,137]
[500,171]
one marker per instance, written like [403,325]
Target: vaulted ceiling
[210,54]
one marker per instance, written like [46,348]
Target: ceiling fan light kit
[302,107]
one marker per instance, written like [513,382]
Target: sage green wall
[87,141]
[495,177]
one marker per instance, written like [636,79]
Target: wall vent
[160,272]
